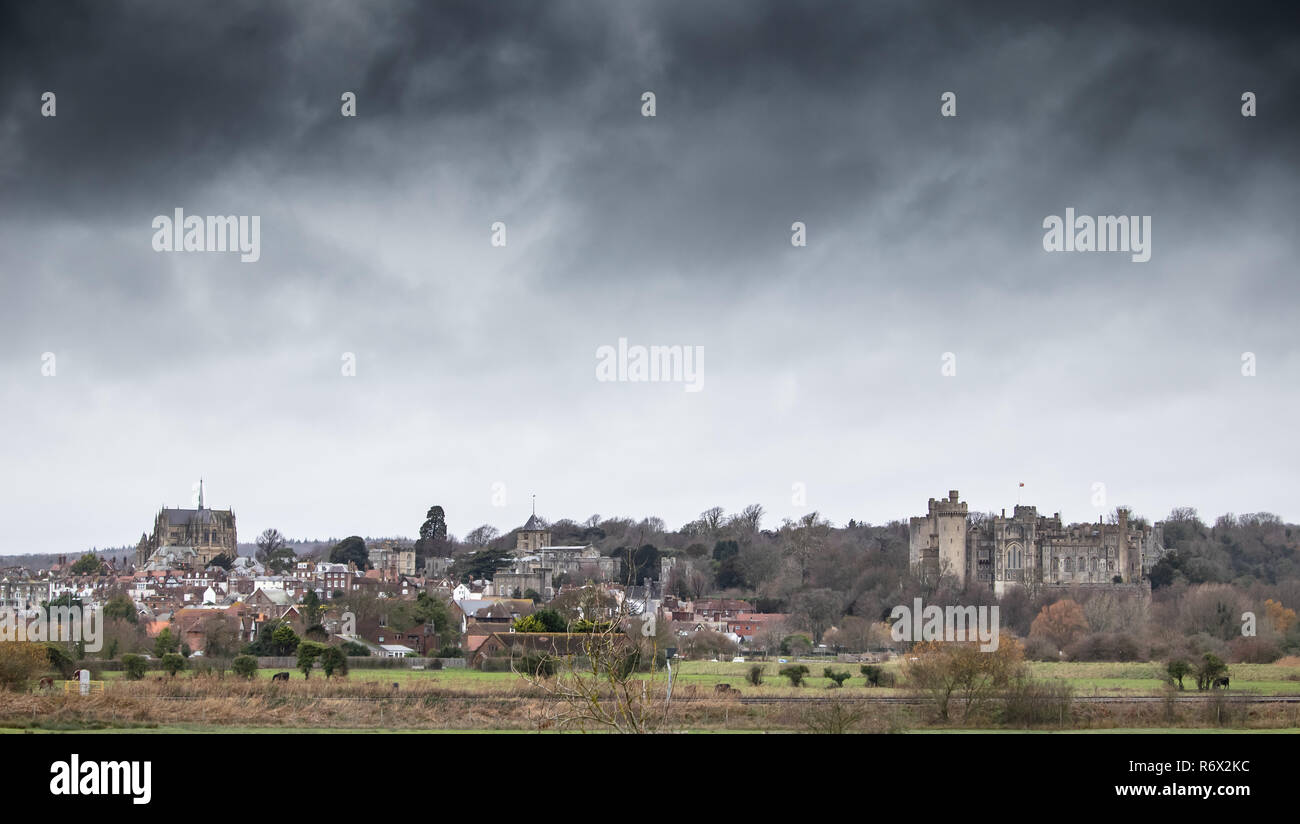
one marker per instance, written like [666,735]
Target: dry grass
[319,704]
[480,702]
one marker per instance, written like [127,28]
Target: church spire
[200,493]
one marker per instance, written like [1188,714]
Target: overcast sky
[476,365]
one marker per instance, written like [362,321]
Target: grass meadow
[462,700]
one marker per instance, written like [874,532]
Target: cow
[1221,682]
[280,676]
[47,683]
[724,689]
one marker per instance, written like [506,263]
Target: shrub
[1201,643]
[1038,648]
[173,663]
[877,676]
[134,667]
[499,663]
[1222,711]
[332,660]
[544,620]
[308,652]
[796,644]
[1208,669]
[356,650]
[833,717]
[164,643]
[960,674]
[838,677]
[245,666]
[20,661]
[1176,671]
[1030,703]
[795,673]
[59,659]
[1105,646]
[536,665]
[755,676]
[1256,650]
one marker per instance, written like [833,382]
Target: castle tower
[937,541]
[950,534]
[1122,552]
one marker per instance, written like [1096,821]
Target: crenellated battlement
[1028,548]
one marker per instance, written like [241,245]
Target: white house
[396,650]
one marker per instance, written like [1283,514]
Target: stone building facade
[208,532]
[1030,549]
[537,562]
[533,536]
[393,559]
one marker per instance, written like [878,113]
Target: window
[1014,558]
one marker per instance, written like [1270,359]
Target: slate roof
[535,524]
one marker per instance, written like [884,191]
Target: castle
[188,537]
[1029,549]
[538,564]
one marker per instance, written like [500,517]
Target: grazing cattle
[280,676]
[47,683]
[1221,682]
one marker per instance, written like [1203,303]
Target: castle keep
[1030,549]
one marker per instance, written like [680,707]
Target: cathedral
[188,537]
[1029,549]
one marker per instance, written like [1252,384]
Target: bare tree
[273,551]
[804,538]
[751,517]
[712,520]
[482,536]
[589,679]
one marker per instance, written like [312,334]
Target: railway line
[1247,698]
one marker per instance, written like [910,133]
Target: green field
[1090,678]
[464,700]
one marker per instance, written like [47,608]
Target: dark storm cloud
[476,363]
